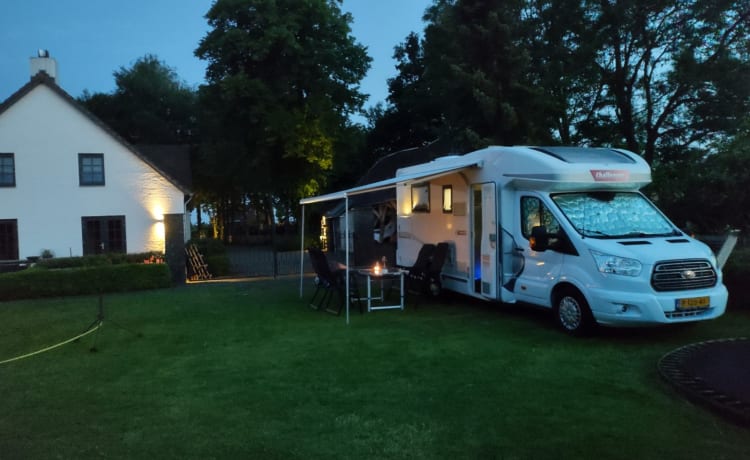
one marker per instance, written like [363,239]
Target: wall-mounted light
[447,199]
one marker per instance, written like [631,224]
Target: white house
[70,185]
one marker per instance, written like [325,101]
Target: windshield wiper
[648,235]
[595,233]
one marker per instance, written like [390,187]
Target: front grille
[682,275]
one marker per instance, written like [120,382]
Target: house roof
[176,170]
[172,159]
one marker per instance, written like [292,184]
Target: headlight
[607,263]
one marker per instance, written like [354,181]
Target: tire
[572,312]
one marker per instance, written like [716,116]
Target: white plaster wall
[46,134]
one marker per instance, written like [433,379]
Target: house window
[447,199]
[9,239]
[7,170]
[91,168]
[420,197]
[103,234]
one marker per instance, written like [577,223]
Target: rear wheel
[572,312]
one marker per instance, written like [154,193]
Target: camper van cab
[559,227]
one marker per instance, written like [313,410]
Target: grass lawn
[246,370]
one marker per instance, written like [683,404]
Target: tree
[150,104]
[559,38]
[707,193]
[477,71]
[466,81]
[282,81]
[671,71]
[413,116]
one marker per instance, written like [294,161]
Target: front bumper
[625,308]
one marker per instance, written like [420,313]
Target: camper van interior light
[447,198]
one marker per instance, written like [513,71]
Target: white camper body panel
[490,254]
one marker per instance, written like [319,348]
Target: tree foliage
[669,70]
[653,76]
[413,116]
[150,104]
[281,83]
[667,79]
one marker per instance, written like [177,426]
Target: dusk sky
[91,39]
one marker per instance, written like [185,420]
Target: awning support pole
[346,216]
[302,253]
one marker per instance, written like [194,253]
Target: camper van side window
[420,197]
[534,213]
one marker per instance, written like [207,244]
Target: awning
[425,172]
[441,168]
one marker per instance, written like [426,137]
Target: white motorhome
[559,227]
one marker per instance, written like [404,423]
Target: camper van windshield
[613,215]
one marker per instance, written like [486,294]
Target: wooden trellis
[198,269]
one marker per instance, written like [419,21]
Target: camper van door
[486,240]
[543,266]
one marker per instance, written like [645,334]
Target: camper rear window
[420,197]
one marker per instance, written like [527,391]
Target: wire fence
[263,261]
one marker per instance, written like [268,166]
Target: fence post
[275,262]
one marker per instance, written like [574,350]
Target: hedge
[736,276]
[97,260]
[37,282]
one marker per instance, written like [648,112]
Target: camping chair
[328,281]
[424,276]
[418,273]
[436,267]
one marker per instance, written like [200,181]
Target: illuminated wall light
[157,213]
[447,199]
[159,231]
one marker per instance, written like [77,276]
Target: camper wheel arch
[571,310]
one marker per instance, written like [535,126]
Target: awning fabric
[430,171]
[437,171]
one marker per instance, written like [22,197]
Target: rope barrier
[27,355]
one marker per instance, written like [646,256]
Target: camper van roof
[586,154]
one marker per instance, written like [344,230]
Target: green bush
[736,276]
[209,246]
[97,260]
[218,264]
[40,282]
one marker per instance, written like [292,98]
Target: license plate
[692,302]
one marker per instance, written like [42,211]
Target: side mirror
[539,240]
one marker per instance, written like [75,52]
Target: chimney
[43,63]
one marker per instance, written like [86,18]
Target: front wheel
[572,312]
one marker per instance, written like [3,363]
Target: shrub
[736,274]
[97,260]
[218,264]
[36,282]
[208,246]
